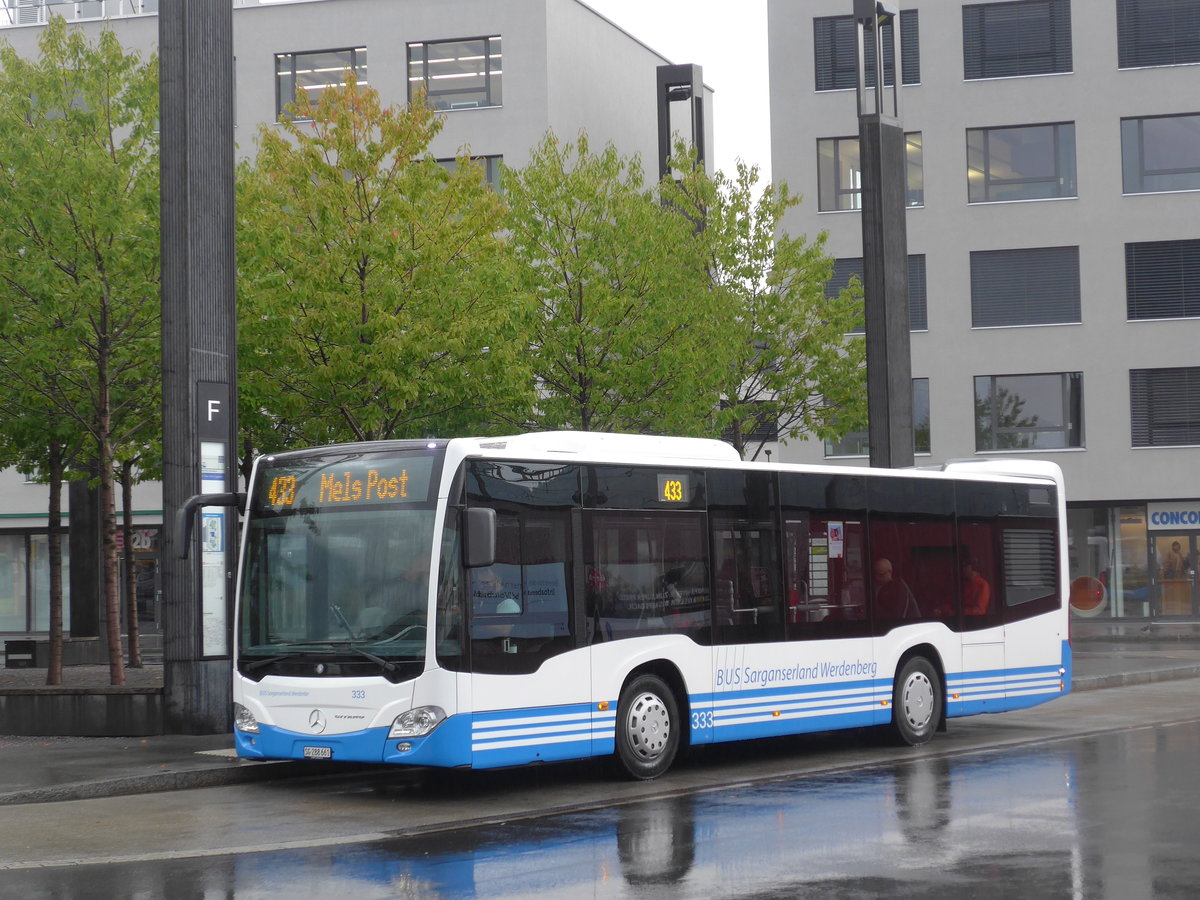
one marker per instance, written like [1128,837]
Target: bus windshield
[337,560]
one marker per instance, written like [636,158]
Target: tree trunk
[131,612]
[108,506]
[54,670]
[112,598]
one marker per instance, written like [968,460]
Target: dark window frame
[1067,182]
[986,56]
[992,435]
[914,170]
[1164,407]
[1134,171]
[835,53]
[1149,37]
[1025,286]
[281,103]
[847,267]
[492,90]
[1162,280]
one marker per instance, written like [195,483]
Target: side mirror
[479,531]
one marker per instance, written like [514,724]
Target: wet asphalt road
[1110,815]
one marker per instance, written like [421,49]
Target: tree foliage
[374,292]
[79,255]
[789,361]
[624,333]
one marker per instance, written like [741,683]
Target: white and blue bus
[494,602]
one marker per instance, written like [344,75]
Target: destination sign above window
[342,481]
[674,488]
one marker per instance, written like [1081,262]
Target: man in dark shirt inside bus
[893,599]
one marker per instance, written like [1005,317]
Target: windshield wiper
[387,665]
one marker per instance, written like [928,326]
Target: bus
[490,602]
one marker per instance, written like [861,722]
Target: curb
[239,772]
[1124,679]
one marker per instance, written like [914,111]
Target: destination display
[674,488]
[344,481]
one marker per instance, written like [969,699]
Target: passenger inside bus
[976,592]
[893,597]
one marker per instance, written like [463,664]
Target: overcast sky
[728,40]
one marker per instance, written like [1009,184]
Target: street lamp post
[199,355]
[885,242]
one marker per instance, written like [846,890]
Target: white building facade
[1054,253]
[503,74]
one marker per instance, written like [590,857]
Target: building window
[1161,153]
[839,173]
[835,40]
[1029,412]
[489,164]
[1038,286]
[1165,406]
[460,74]
[1157,32]
[852,267]
[1003,40]
[1027,162]
[857,443]
[314,72]
[1162,279]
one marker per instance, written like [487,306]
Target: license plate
[318,753]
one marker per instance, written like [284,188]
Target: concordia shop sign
[1173,516]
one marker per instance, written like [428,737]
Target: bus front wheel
[916,701]
[647,727]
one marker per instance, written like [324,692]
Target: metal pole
[885,250]
[199,353]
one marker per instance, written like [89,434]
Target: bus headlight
[243,719]
[417,722]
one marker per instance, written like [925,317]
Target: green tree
[624,335]
[375,293]
[789,362]
[79,255]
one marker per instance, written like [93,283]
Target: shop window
[1034,286]
[835,44]
[1029,412]
[459,74]
[1157,32]
[1161,153]
[314,72]
[1165,406]
[1162,279]
[1026,162]
[1029,37]
[14,614]
[839,172]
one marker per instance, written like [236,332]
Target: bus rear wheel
[647,727]
[916,702]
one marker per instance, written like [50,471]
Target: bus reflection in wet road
[1110,815]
